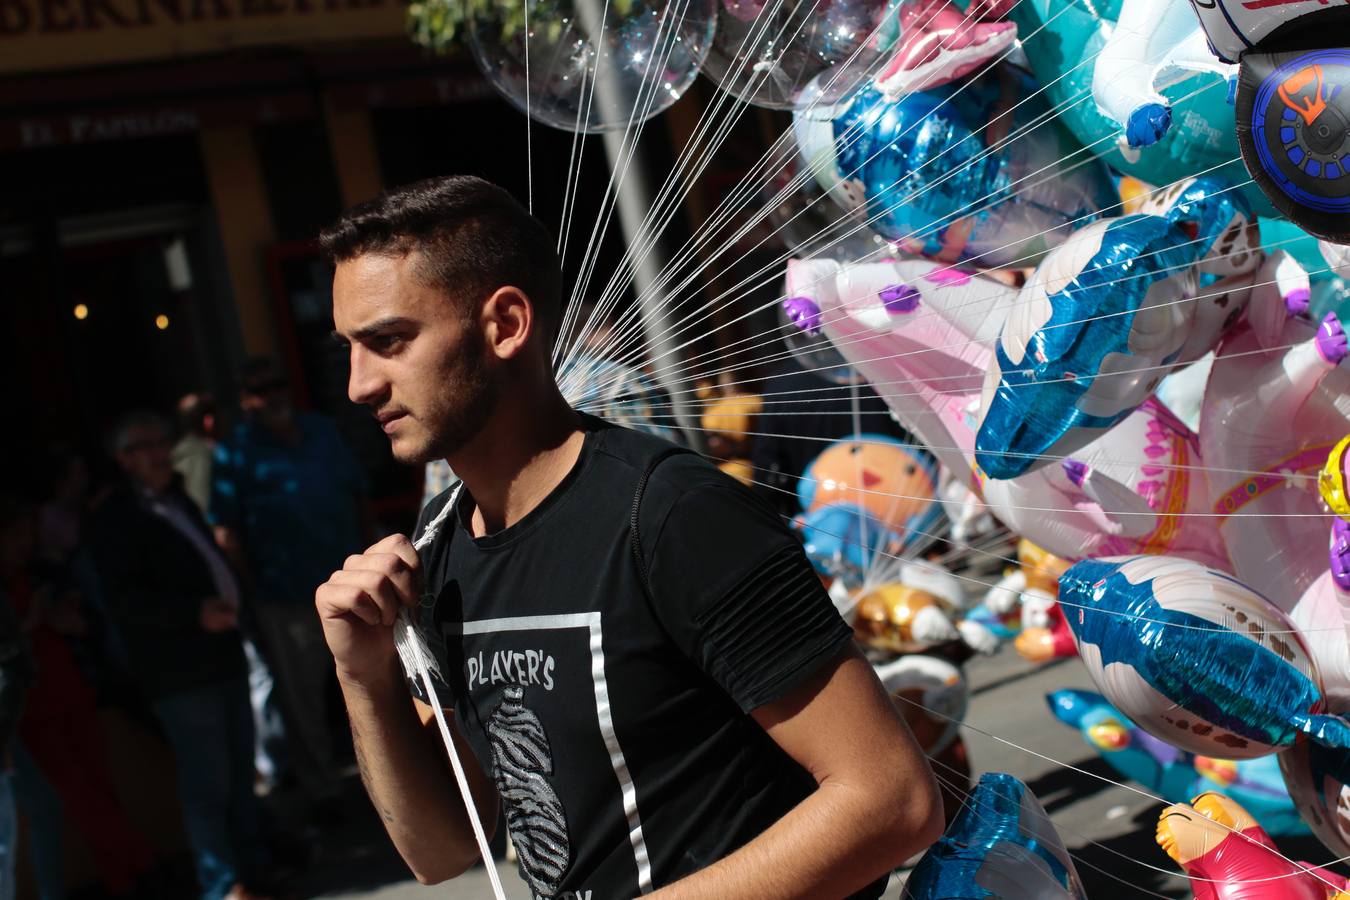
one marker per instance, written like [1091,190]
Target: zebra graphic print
[521,757]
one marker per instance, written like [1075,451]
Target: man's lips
[389,421]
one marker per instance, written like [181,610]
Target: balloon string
[970,342]
[963,87]
[874,218]
[833,316]
[744,189]
[479,836]
[901,202]
[774,277]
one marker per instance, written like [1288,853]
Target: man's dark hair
[472,235]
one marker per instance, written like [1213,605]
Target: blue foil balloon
[1195,657]
[1099,325]
[947,174]
[1000,845]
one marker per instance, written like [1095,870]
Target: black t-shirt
[615,723]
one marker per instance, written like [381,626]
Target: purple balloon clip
[804,313]
[1332,344]
[1076,470]
[1340,554]
[899,298]
[1297,301]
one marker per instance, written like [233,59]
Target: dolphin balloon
[1105,317]
[1196,658]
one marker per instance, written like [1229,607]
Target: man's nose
[365,385]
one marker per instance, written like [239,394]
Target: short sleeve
[734,590]
[225,507]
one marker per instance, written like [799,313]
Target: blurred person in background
[288,502]
[41,807]
[59,725]
[196,446]
[177,601]
[68,489]
[193,456]
[16,672]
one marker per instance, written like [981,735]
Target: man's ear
[508,322]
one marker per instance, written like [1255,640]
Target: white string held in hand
[419,664]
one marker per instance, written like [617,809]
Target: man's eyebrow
[377,327]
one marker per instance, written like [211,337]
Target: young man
[659,689]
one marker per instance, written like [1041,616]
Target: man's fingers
[400,545]
[339,601]
[406,581]
[375,588]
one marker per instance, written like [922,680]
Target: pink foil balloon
[1269,415]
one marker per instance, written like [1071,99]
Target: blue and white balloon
[1196,658]
[1001,844]
[1106,316]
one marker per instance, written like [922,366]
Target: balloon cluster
[1023,337]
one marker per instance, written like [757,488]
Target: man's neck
[517,460]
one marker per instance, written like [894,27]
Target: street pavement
[1108,829]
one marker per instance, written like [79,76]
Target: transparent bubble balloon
[767,52]
[591,65]
[810,225]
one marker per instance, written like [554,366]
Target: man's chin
[410,453]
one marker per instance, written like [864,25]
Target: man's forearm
[409,781]
[834,843]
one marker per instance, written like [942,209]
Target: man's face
[417,360]
[146,456]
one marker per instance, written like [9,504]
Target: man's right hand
[359,604]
